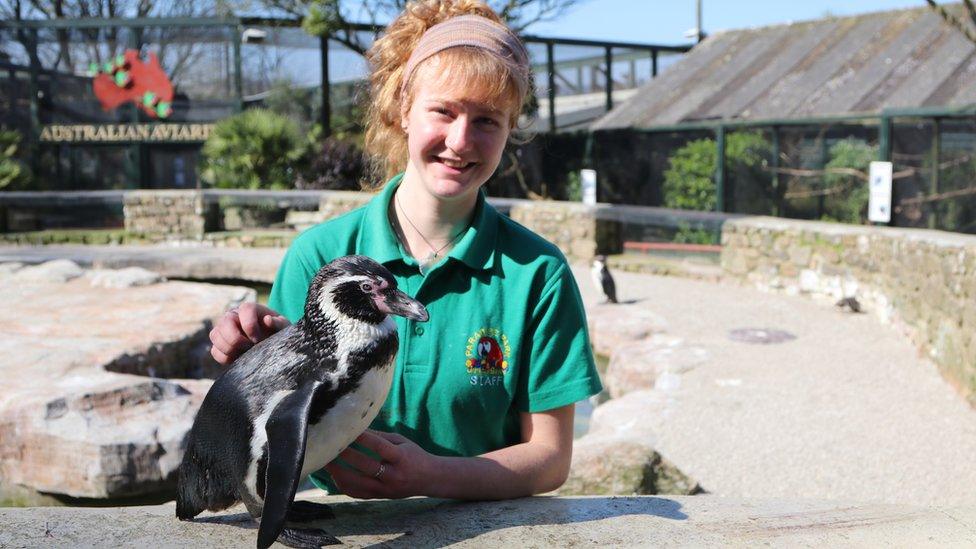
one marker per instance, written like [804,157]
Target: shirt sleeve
[561,367]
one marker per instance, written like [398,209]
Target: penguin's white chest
[596,271]
[345,421]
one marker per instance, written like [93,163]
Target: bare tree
[337,17]
[955,21]
[73,50]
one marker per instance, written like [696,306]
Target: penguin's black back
[217,453]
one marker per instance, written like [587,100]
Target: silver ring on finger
[380,471]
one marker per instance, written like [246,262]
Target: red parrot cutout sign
[128,78]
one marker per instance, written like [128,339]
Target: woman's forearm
[516,471]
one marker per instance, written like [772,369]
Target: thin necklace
[434,253]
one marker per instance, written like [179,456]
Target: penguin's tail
[190,487]
[203,484]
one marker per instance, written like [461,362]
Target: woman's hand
[406,469]
[241,328]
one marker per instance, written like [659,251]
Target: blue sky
[664,22]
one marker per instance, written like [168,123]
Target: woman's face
[454,141]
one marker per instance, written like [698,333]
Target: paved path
[846,411]
[685,521]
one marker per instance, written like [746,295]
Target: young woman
[481,405]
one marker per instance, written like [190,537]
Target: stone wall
[168,215]
[576,228]
[335,203]
[924,280]
[580,231]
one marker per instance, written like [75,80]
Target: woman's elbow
[557,471]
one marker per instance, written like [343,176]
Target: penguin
[603,279]
[850,303]
[291,403]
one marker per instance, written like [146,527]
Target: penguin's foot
[311,538]
[307,511]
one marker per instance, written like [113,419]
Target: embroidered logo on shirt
[487,355]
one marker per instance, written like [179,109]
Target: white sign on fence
[588,186]
[879,203]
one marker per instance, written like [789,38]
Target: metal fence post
[720,205]
[777,180]
[608,55]
[237,32]
[936,160]
[884,139]
[551,73]
[326,100]
[33,88]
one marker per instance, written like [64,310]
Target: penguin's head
[357,287]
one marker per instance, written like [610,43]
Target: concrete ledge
[531,522]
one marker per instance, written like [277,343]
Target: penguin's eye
[366,287]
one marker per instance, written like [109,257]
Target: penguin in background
[603,279]
[291,403]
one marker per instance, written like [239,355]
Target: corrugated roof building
[837,66]
[798,111]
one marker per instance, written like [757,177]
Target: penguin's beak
[400,304]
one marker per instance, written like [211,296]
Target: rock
[640,365]
[618,455]
[115,438]
[51,272]
[606,464]
[77,415]
[124,278]
[7,269]
[612,326]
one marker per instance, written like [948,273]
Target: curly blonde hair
[475,70]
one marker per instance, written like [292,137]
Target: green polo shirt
[507,330]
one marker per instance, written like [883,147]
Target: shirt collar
[377,240]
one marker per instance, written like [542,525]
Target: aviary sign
[130,79]
[126,133]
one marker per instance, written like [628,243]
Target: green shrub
[333,165]
[256,149]
[689,181]
[13,172]
[849,206]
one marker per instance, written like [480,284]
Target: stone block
[84,408]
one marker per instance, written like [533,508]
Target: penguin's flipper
[287,429]
[307,511]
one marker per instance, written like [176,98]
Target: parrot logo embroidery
[487,355]
[127,78]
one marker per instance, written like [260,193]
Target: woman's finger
[354,484]
[363,463]
[230,340]
[251,324]
[395,438]
[384,448]
[275,323]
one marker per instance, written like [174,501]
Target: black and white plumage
[850,303]
[603,279]
[291,403]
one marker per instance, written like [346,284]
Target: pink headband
[467,30]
